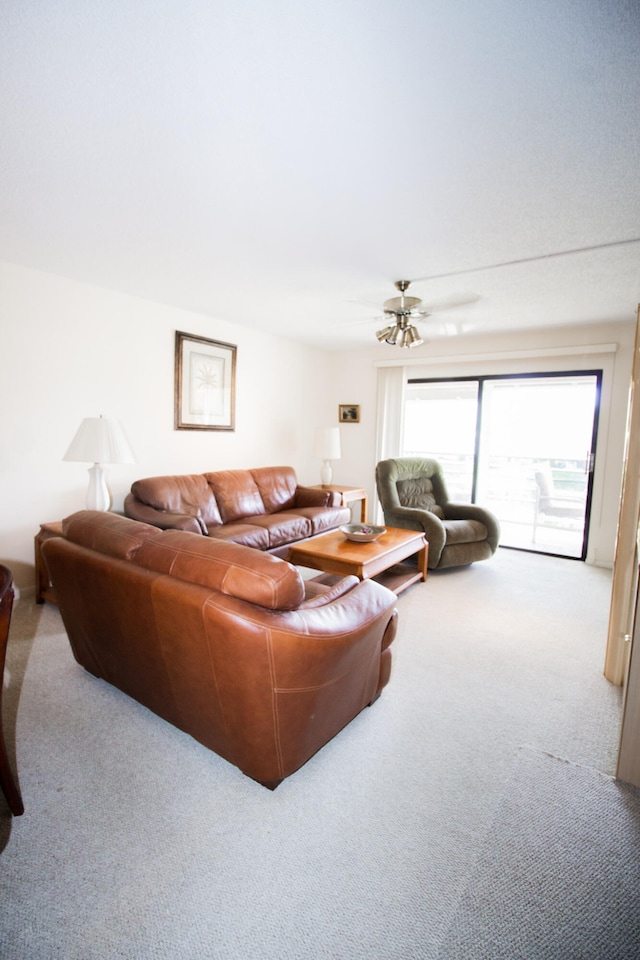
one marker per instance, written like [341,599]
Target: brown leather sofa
[264,508]
[227,643]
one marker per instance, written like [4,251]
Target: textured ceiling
[270,163]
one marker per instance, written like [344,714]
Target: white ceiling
[268,163]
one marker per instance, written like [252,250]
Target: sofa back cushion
[236,493]
[189,494]
[232,569]
[107,533]
[277,486]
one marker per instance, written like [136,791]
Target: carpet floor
[484,769]
[559,876]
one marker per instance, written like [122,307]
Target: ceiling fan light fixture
[383,334]
[414,338]
[393,336]
[405,337]
[409,337]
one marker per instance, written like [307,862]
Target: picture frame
[349,413]
[205,383]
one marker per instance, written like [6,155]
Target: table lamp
[99,441]
[327,448]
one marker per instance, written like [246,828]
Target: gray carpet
[137,843]
[559,876]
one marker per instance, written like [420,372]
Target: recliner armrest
[471,511]
[424,520]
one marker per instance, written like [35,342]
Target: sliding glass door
[521,445]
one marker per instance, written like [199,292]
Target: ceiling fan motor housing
[401,305]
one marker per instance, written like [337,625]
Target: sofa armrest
[136,510]
[314,497]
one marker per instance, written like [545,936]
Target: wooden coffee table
[381,560]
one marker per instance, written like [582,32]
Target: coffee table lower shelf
[399,577]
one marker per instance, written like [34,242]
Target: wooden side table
[348,494]
[44,589]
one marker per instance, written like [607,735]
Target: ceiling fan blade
[379,318]
[366,303]
[440,326]
[460,299]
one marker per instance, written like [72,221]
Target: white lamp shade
[100,440]
[327,443]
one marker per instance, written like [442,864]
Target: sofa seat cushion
[465,531]
[234,570]
[247,534]
[284,527]
[323,518]
[270,531]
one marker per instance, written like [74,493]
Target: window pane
[534,459]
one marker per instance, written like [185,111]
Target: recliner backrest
[418,492]
[412,482]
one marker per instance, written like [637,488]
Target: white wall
[355,375]
[69,350]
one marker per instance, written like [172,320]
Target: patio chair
[551,502]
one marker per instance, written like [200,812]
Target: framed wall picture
[349,413]
[205,383]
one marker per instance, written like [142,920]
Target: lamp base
[326,472]
[98,496]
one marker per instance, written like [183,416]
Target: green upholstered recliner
[413,494]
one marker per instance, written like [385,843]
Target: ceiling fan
[404,310]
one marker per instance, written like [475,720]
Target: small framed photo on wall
[349,413]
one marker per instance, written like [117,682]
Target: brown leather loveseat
[227,643]
[264,508]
